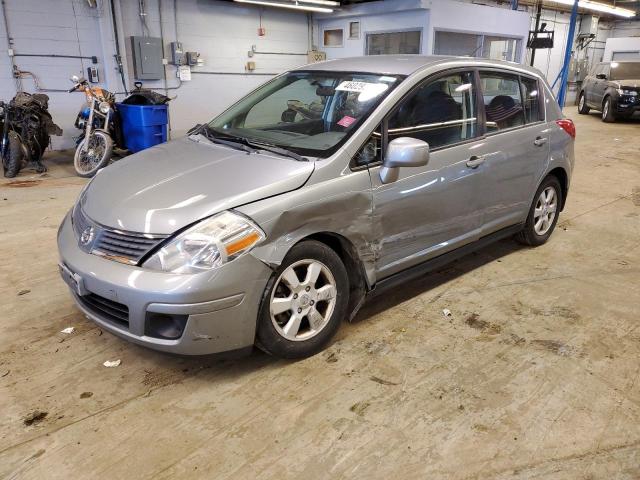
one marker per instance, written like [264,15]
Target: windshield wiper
[251,145]
[275,149]
[233,142]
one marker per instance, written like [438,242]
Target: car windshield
[309,113]
[625,70]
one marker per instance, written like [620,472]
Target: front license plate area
[73,280]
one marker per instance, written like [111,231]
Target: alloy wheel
[545,211]
[303,300]
[605,110]
[581,103]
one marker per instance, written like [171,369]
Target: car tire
[607,111]
[583,109]
[298,315]
[536,229]
[14,154]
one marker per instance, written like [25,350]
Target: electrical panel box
[588,26]
[192,58]
[177,54]
[92,74]
[147,58]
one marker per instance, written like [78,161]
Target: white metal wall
[222,32]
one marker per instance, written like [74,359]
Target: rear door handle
[539,141]
[475,161]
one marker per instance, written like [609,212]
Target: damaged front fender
[338,208]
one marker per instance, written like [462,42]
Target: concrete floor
[535,374]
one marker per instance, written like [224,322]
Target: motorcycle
[102,124]
[101,129]
[26,126]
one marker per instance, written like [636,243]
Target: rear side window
[502,101]
[441,111]
[531,94]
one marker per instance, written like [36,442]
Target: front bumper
[221,306]
[627,104]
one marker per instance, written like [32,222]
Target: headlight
[624,91]
[104,107]
[207,245]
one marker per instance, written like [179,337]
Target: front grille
[107,309]
[118,245]
[127,247]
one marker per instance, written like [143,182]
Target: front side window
[310,113]
[531,95]
[441,112]
[502,101]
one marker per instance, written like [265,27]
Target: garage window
[477,45]
[333,37]
[387,43]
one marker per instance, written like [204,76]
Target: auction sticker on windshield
[352,86]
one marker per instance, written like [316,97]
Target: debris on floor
[382,381]
[23,292]
[359,407]
[112,363]
[68,330]
[86,394]
[446,312]
[34,417]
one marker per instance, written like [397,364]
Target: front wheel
[543,214]
[93,153]
[583,109]
[304,302]
[607,111]
[13,156]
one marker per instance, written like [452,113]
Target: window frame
[481,125]
[384,122]
[419,30]
[329,29]
[519,77]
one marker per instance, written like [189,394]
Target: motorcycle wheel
[97,155]
[13,160]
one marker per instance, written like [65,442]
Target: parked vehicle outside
[613,88]
[273,222]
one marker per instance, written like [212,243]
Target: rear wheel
[607,111]
[304,302]
[582,105]
[92,153]
[13,157]
[543,214]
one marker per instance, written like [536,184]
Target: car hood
[169,186]
[628,83]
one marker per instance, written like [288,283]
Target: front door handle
[475,161]
[539,141]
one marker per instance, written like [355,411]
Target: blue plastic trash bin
[143,126]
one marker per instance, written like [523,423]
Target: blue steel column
[567,55]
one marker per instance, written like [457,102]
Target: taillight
[568,126]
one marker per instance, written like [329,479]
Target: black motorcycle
[26,126]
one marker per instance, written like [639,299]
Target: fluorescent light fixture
[291,6]
[330,3]
[599,7]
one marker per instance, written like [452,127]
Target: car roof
[403,64]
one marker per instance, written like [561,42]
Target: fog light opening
[167,327]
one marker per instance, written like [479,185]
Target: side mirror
[601,76]
[403,152]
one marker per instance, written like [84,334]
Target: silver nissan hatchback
[273,222]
